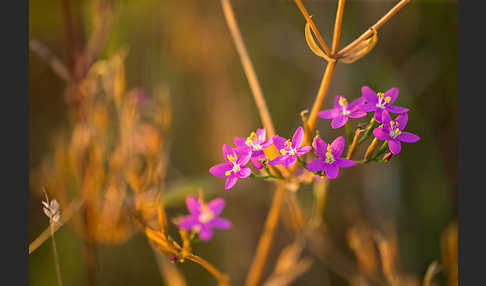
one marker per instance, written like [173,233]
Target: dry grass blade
[289,266]
[68,213]
[361,49]
[54,62]
[309,38]
[169,272]
[449,253]
[432,270]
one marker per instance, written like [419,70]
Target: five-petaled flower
[203,218]
[254,144]
[289,150]
[392,130]
[379,102]
[234,167]
[329,159]
[342,111]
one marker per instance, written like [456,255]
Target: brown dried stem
[222,278]
[337,27]
[248,68]
[376,26]
[260,258]
[308,18]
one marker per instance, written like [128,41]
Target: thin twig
[222,278]
[68,213]
[308,18]
[248,68]
[337,27]
[265,241]
[56,257]
[52,60]
[316,107]
[376,26]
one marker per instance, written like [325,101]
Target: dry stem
[308,18]
[260,258]
[337,26]
[222,278]
[376,26]
[56,257]
[248,68]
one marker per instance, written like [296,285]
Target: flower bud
[371,149]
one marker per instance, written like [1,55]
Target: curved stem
[376,26]
[313,26]
[265,241]
[222,278]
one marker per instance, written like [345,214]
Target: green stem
[380,152]
[349,132]
[367,132]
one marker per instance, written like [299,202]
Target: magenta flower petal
[381,134]
[193,205]
[392,93]
[386,118]
[344,163]
[277,161]
[369,95]
[315,165]
[267,143]
[331,170]
[298,137]
[320,147]
[239,141]
[216,206]
[220,223]
[328,113]
[205,233]
[261,134]
[227,150]
[303,150]
[220,169]
[244,158]
[402,120]
[188,222]
[230,181]
[367,107]
[408,137]
[357,114]
[379,115]
[337,146]
[279,142]
[395,146]
[290,161]
[355,104]
[256,163]
[339,121]
[397,109]
[244,172]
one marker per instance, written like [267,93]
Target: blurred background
[180,57]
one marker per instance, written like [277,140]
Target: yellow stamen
[283,151]
[380,94]
[329,148]
[387,99]
[231,158]
[342,101]
[288,143]
[227,173]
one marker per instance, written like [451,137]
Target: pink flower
[203,218]
[234,167]
[289,150]
[329,159]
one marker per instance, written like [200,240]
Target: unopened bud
[371,149]
[354,144]
[387,156]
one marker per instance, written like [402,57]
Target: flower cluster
[328,158]
[380,103]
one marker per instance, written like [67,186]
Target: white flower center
[206,215]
